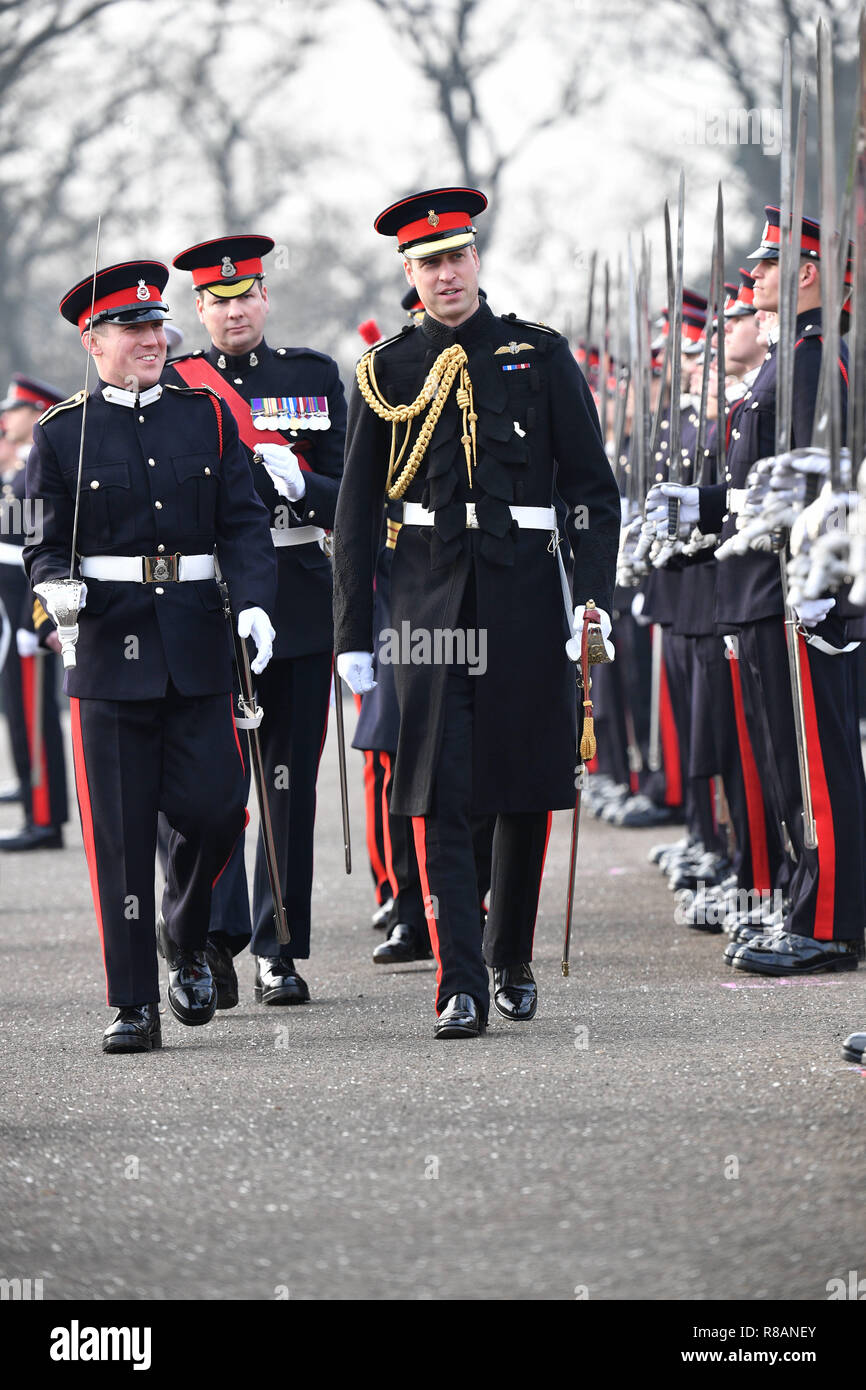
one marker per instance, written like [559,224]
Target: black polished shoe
[515,993]
[786,953]
[278,982]
[192,993]
[460,1018]
[135,1029]
[34,837]
[219,958]
[380,916]
[853,1047]
[404,944]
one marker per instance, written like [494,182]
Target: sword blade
[344,781]
[245,677]
[829,249]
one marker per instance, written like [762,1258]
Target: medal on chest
[290,413]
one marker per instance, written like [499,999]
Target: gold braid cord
[434,393]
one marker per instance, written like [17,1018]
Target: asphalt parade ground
[666,1129]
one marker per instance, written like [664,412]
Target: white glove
[572,647]
[356,669]
[255,623]
[283,470]
[657,504]
[27,642]
[811,611]
[637,607]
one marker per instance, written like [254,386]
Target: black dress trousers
[449,874]
[134,758]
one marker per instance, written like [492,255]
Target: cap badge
[142,292]
[227,268]
[433,217]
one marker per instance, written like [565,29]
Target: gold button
[207,472]
[160,548]
[239,381]
[141,419]
[94,484]
[152,463]
[159,591]
[312,513]
[158,506]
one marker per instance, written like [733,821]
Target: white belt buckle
[471,517]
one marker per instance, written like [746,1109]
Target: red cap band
[213,274]
[424,228]
[129,298]
[772,237]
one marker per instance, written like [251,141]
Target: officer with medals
[164,484]
[470,420]
[290,411]
[29,675]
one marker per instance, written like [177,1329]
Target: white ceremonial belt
[148,569]
[736,499]
[527,518]
[10,554]
[298,535]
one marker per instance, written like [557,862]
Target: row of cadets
[820,922]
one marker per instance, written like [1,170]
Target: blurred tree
[456,46]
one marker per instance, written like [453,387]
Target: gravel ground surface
[664,1129]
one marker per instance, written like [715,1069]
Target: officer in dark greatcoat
[480,417]
[164,484]
[290,411]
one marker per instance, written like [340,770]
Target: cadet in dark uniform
[30,671]
[290,411]
[487,717]
[164,483]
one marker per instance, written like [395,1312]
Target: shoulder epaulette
[191,390]
[395,338]
[77,399]
[184,357]
[528,323]
[302,352]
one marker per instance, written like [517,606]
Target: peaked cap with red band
[810,238]
[27,390]
[431,223]
[694,320]
[411,302]
[228,265]
[744,304]
[127,293]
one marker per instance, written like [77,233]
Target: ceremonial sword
[250,717]
[790,235]
[62,597]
